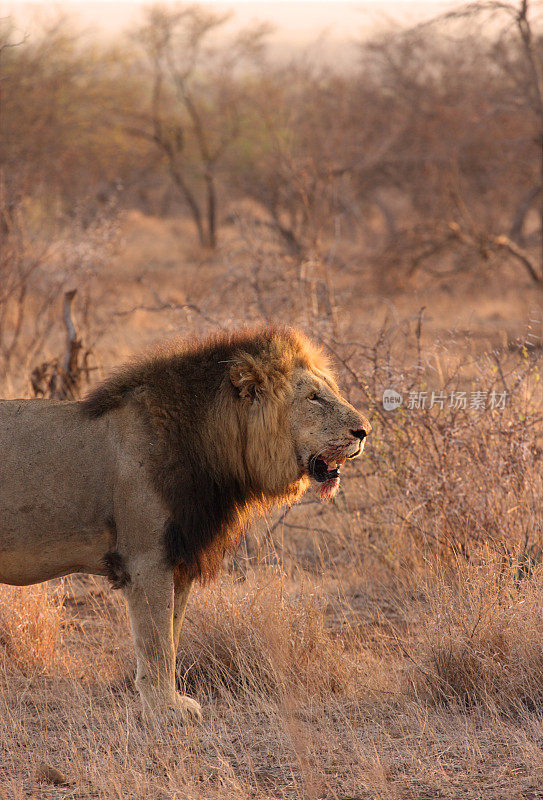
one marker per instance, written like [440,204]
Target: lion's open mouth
[323,471]
[326,474]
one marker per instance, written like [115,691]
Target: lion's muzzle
[325,468]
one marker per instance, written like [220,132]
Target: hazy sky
[296,21]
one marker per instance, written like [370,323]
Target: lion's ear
[248,377]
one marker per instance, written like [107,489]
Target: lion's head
[299,424]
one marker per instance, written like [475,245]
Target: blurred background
[337,165]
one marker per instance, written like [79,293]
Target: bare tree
[25,298]
[61,140]
[318,153]
[530,88]
[518,51]
[196,96]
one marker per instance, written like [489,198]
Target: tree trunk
[211,210]
[194,208]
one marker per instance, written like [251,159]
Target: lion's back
[42,439]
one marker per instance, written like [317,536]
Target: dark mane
[168,361]
[180,392]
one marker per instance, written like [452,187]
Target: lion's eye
[315,398]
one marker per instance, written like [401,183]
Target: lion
[153,477]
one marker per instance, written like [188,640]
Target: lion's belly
[26,565]
[55,499]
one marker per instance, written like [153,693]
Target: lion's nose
[360,434]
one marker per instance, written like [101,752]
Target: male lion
[152,478]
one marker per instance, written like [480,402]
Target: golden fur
[154,476]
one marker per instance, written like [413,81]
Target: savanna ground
[387,645]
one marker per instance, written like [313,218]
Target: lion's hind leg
[150,598]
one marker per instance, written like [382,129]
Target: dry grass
[480,639]
[388,646]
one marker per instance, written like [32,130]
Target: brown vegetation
[387,645]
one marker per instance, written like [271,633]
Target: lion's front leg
[181,596]
[150,597]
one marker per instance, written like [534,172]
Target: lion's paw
[172,706]
[189,709]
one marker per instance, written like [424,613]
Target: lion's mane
[216,456]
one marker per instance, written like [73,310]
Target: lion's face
[327,430]
[297,426]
